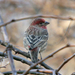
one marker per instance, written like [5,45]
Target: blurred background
[57,29]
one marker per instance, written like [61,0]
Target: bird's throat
[44,27]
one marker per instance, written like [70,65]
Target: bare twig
[23,53]
[33,71]
[66,33]
[23,60]
[4,65]
[48,57]
[9,52]
[36,16]
[42,70]
[15,49]
[46,66]
[68,27]
[65,62]
[20,72]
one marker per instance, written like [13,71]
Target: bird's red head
[40,22]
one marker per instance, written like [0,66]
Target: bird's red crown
[39,21]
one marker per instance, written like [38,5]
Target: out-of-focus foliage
[14,9]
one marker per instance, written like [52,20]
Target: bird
[35,38]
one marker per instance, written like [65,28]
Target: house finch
[35,38]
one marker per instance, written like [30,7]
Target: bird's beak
[46,23]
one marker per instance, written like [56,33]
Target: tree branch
[36,16]
[33,71]
[46,66]
[48,57]
[15,49]
[23,53]
[42,70]
[43,64]
[67,60]
[20,72]
[4,66]
[9,52]
[23,60]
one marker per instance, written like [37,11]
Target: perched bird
[35,38]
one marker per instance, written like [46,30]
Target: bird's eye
[40,23]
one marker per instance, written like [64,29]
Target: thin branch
[15,49]
[23,60]
[67,60]
[33,71]
[20,72]
[42,70]
[4,65]
[23,53]
[36,16]
[67,30]
[48,57]
[46,66]
[64,37]
[9,52]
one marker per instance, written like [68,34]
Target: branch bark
[67,60]
[20,72]
[9,52]
[48,57]
[42,63]
[33,71]
[23,60]
[15,49]
[23,53]
[36,16]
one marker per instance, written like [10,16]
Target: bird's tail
[34,55]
